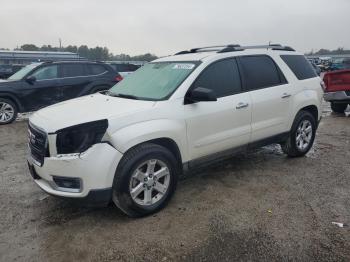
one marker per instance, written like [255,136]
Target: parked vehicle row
[8,70]
[42,84]
[329,64]
[124,69]
[130,144]
[337,90]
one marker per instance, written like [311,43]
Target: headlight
[77,139]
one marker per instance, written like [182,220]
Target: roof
[185,57]
[201,54]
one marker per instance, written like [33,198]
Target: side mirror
[200,94]
[31,79]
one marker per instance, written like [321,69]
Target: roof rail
[206,49]
[232,48]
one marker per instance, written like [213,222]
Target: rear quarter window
[72,70]
[299,65]
[96,69]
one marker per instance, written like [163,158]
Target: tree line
[95,53]
[322,51]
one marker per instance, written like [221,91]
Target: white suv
[130,144]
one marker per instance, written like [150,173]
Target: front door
[223,124]
[44,90]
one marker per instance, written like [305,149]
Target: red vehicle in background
[337,89]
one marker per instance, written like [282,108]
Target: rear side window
[96,69]
[260,72]
[132,67]
[300,66]
[121,67]
[72,70]
[222,77]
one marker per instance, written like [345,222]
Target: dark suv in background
[124,69]
[41,84]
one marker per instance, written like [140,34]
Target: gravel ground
[255,206]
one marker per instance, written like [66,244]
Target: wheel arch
[13,99]
[169,144]
[164,132]
[311,109]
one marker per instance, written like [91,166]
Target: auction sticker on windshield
[184,66]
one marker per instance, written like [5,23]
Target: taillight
[118,78]
[323,85]
[337,81]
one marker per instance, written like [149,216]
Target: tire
[148,200]
[338,107]
[300,142]
[8,111]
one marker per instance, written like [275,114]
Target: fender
[130,136]
[307,97]
[14,98]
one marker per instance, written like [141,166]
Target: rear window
[260,72]
[96,69]
[301,68]
[72,70]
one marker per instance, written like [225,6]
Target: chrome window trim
[68,77]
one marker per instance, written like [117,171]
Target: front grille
[37,144]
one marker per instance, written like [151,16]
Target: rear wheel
[338,107]
[145,180]
[8,111]
[302,135]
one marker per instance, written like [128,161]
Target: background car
[337,90]
[42,84]
[5,71]
[124,69]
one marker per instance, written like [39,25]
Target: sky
[164,27]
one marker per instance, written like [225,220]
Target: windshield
[25,70]
[154,81]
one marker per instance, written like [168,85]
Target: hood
[86,109]
[5,81]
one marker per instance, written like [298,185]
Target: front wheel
[338,107]
[8,111]
[145,180]
[302,135]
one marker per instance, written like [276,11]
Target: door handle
[241,105]
[286,95]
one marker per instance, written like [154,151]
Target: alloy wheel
[149,182]
[304,135]
[6,112]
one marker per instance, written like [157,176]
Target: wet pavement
[256,206]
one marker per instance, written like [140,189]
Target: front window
[24,71]
[154,81]
[45,73]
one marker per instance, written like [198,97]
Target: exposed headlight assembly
[77,139]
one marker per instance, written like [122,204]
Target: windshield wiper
[123,96]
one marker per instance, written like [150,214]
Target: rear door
[270,93]
[223,124]
[75,80]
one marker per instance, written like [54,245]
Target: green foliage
[338,51]
[96,53]
[29,47]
